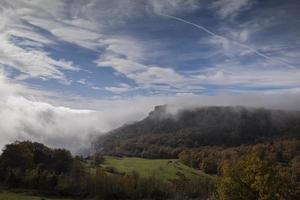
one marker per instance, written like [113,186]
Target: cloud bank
[23,118]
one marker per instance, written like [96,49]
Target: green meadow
[164,169]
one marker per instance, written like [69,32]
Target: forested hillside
[164,134]
[269,171]
[38,169]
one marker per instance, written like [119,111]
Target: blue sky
[100,49]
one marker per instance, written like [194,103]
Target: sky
[73,69]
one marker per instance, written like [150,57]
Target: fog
[73,125]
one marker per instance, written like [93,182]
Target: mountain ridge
[167,131]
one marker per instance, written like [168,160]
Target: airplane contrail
[222,37]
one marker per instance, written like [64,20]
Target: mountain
[163,133]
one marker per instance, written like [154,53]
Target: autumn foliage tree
[33,164]
[251,178]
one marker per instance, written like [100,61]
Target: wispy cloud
[173,6]
[225,41]
[32,62]
[126,57]
[22,45]
[123,87]
[231,8]
[231,73]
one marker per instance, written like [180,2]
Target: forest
[164,134]
[55,172]
[260,171]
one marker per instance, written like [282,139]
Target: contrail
[222,37]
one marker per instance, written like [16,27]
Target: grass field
[164,169]
[5,195]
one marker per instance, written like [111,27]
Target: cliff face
[163,134]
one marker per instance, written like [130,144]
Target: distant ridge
[163,134]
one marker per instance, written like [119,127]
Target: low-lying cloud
[23,119]
[24,116]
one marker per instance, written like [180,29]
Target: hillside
[163,169]
[163,134]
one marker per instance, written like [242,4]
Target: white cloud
[121,65]
[77,26]
[173,6]
[24,117]
[123,87]
[79,36]
[229,8]
[258,74]
[244,35]
[9,87]
[32,62]
[96,88]
[227,47]
[30,58]
[125,47]
[143,75]
[82,81]
[64,127]
[56,126]
[126,56]
[157,75]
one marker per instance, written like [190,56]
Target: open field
[164,169]
[5,195]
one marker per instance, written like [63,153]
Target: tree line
[257,171]
[31,165]
[266,171]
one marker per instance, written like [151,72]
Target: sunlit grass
[164,169]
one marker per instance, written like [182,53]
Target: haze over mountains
[167,130]
[71,127]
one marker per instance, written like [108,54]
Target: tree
[62,161]
[17,155]
[250,178]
